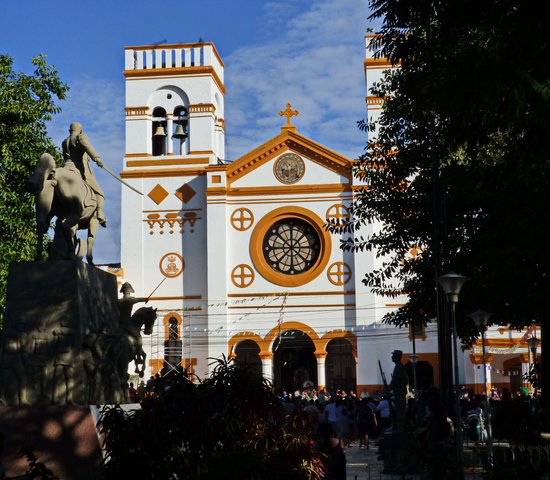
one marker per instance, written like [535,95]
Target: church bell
[159,132]
[180,132]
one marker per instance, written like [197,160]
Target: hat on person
[397,352]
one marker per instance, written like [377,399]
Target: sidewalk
[364,465]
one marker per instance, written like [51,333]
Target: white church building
[236,252]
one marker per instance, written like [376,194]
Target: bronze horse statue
[62,193]
[143,317]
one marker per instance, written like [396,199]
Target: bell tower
[174,102]
[174,137]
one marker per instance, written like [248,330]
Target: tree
[459,168]
[230,425]
[27,102]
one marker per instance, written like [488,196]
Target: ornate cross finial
[288,113]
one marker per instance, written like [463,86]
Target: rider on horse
[127,302]
[77,152]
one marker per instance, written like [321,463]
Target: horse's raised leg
[69,227]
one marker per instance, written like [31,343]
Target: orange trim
[477,358]
[266,343]
[171,161]
[166,323]
[131,155]
[279,190]
[216,179]
[327,337]
[307,305]
[287,326]
[290,294]
[202,108]
[156,365]
[257,255]
[176,72]
[162,173]
[289,140]
[242,336]
[202,152]
[502,342]
[371,63]
[137,111]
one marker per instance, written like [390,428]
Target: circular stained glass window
[291,246]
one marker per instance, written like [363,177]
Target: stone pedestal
[63,437]
[60,335]
[397,451]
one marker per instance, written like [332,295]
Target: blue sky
[308,53]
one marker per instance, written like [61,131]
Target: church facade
[235,255]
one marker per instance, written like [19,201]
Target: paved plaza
[364,464]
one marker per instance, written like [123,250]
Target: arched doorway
[424,375]
[340,365]
[247,356]
[293,361]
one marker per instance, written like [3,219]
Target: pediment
[289,140]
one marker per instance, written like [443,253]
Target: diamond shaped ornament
[158,194]
[185,193]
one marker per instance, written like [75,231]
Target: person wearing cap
[77,152]
[399,386]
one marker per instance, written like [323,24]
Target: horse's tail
[43,168]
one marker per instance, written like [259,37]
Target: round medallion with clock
[289,168]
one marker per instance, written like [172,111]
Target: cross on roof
[288,113]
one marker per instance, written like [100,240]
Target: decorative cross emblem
[288,113]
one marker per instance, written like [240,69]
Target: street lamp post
[414,360]
[452,284]
[481,318]
[414,357]
[533,343]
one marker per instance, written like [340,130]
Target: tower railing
[160,57]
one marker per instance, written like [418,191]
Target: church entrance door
[340,366]
[294,365]
[247,356]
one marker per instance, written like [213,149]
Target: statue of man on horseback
[72,195]
[77,153]
[131,326]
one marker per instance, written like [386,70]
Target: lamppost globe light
[480,318]
[452,284]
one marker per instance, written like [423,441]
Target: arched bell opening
[340,365]
[180,134]
[294,364]
[247,355]
[159,131]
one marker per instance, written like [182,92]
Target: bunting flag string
[273,296]
[247,314]
[280,320]
[506,373]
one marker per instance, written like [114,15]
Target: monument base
[61,338]
[63,438]
[396,449]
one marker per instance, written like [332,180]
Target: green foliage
[229,426]
[459,167]
[27,102]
